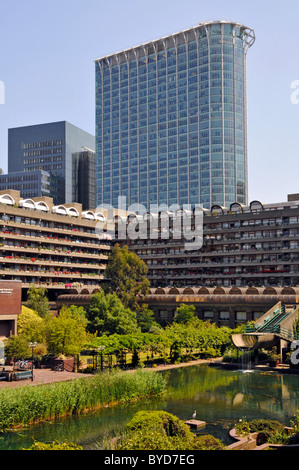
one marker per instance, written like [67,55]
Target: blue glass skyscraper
[171,119]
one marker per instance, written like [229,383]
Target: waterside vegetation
[28,405]
[159,430]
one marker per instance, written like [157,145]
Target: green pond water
[220,397]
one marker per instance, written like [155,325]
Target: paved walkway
[43,376]
[47,376]
[186,364]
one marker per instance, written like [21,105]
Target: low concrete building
[10,307]
[224,306]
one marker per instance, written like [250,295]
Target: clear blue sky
[48,48]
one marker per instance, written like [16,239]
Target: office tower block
[34,183]
[171,119]
[49,147]
[84,177]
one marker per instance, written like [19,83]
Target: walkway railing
[272,325]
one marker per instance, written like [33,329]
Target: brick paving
[43,376]
[47,376]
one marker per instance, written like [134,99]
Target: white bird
[194,415]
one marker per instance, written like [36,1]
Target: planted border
[29,405]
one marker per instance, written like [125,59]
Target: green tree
[107,315]
[184,314]
[204,337]
[31,325]
[66,333]
[126,273]
[146,319]
[17,347]
[37,300]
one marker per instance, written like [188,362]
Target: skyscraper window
[171,119]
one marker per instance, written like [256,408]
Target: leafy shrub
[243,428]
[159,430]
[277,437]
[208,442]
[88,370]
[54,446]
[268,431]
[210,352]
[265,425]
[230,355]
[166,422]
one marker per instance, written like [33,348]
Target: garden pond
[220,397]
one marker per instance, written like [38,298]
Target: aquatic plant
[31,404]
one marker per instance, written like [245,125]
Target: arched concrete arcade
[210,303]
[228,306]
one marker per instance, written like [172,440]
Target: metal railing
[273,326]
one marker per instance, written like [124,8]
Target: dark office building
[49,147]
[84,177]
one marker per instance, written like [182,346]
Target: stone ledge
[250,443]
[193,423]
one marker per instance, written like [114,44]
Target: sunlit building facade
[171,119]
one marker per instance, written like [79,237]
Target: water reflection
[219,396]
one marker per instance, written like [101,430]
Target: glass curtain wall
[171,120]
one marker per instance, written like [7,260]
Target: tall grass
[31,404]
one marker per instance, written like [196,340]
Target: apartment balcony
[232,275]
[58,242]
[236,264]
[48,262]
[253,250]
[12,225]
[49,273]
[61,285]
[52,252]
[205,252]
